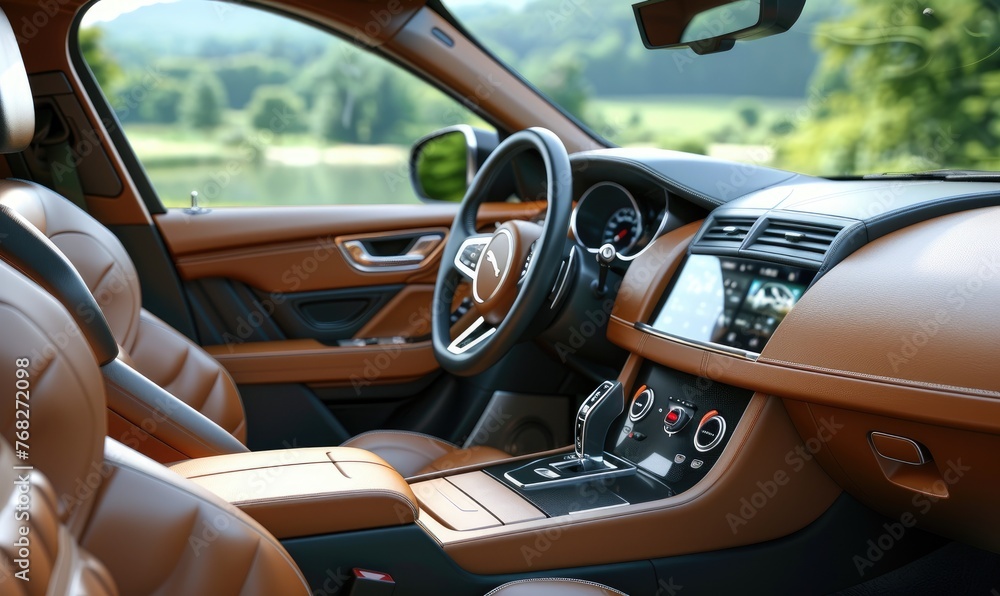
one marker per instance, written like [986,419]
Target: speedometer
[622,229]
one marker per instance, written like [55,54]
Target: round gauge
[622,229]
[607,213]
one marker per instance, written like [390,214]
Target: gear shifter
[594,418]
[588,461]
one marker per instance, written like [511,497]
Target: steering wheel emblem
[493,261]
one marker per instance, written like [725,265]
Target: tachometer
[607,213]
[622,228]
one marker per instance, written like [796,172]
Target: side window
[248,107]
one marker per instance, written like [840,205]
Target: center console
[656,452]
[307,491]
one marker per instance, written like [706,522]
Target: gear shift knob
[594,418]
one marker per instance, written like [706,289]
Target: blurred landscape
[249,107]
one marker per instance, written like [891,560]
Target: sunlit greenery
[855,87]
[900,88]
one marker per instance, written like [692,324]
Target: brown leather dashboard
[901,337]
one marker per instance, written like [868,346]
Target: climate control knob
[710,431]
[641,404]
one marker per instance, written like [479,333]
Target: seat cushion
[159,533]
[554,586]
[412,453]
[55,563]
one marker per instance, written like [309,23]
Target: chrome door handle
[359,255]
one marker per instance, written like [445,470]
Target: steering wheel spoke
[474,333]
[469,253]
[510,270]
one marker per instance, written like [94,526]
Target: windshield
[855,87]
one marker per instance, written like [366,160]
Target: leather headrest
[33,254]
[17,107]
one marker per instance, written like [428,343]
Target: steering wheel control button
[675,420]
[470,256]
[696,464]
[680,458]
[638,436]
[710,432]
[642,403]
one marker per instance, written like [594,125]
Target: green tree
[102,64]
[204,101]
[161,104]
[565,84]
[749,114]
[358,98]
[328,115]
[242,75]
[277,109]
[899,88]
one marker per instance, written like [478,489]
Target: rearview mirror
[708,26]
[443,164]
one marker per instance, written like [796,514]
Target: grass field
[686,117]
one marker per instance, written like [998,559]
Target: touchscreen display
[731,301]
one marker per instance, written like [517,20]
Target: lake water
[276,183]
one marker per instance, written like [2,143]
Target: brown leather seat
[150,346]
[93,505]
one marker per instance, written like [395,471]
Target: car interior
[570,368]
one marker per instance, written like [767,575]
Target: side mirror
[443,164]
[709,26]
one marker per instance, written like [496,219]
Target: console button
[642,403]
[675,420]
[710,432]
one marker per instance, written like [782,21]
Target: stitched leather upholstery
[107,516]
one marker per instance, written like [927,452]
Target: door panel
[275,296]
[229,311]
[309,361]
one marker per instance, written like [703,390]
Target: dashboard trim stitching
[891,380]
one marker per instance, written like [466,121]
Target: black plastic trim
[33,254]
[162,293]
[420,566]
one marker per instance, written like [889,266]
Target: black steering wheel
[512,270]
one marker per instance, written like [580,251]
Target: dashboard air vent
[727,231]
[805,240]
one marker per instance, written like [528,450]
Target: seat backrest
[94,251]
[153,348]
[94,505]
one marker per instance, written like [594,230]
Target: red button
[672,416]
